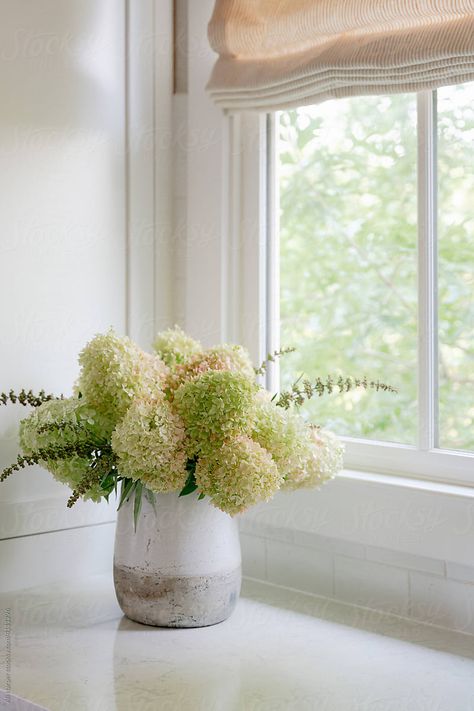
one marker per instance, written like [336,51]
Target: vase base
[176,601]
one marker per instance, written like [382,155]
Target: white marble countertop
[71,649]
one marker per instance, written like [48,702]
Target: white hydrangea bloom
[324,459]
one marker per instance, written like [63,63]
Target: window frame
[223,279]
[252,284]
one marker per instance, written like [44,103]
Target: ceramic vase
[181,567]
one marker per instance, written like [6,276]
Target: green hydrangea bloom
[114,370]
[175,347]
[75,412]
[150,445]
[215,406]
[241,474]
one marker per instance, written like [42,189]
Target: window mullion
[272,268]
[427,272]
[252,247]
[230,252]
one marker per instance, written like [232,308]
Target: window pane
[456,265]
[348,258]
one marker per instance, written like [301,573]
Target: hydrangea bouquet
[182,419]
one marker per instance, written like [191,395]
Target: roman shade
[282,53]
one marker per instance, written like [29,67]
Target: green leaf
[201,496]
[189,486]
[137,505]
[151,498]
[127,488]
[107,482]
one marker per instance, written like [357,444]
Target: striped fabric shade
[281,53]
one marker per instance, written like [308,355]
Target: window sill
[405,482]
[402,514]
[404,462]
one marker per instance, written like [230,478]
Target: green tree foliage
[348,195]
[456,265]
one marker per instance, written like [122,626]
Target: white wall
[78,178]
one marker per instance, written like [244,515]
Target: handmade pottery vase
[182,565]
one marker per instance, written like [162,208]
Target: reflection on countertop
[71,649]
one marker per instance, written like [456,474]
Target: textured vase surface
[181,567]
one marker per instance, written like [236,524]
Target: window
[348,297]
[456,266]
[375,272]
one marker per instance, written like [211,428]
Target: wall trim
[43,515]
[45,558]
[149,145]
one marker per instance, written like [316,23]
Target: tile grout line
[267,535]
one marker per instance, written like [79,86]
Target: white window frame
[253,285]
[225,268]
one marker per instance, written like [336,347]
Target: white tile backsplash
[370,584]
[427,589]
[300,568]
[253,556]
[464,573]
[406,560]
[276,533]
[442,602]
[332,545]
